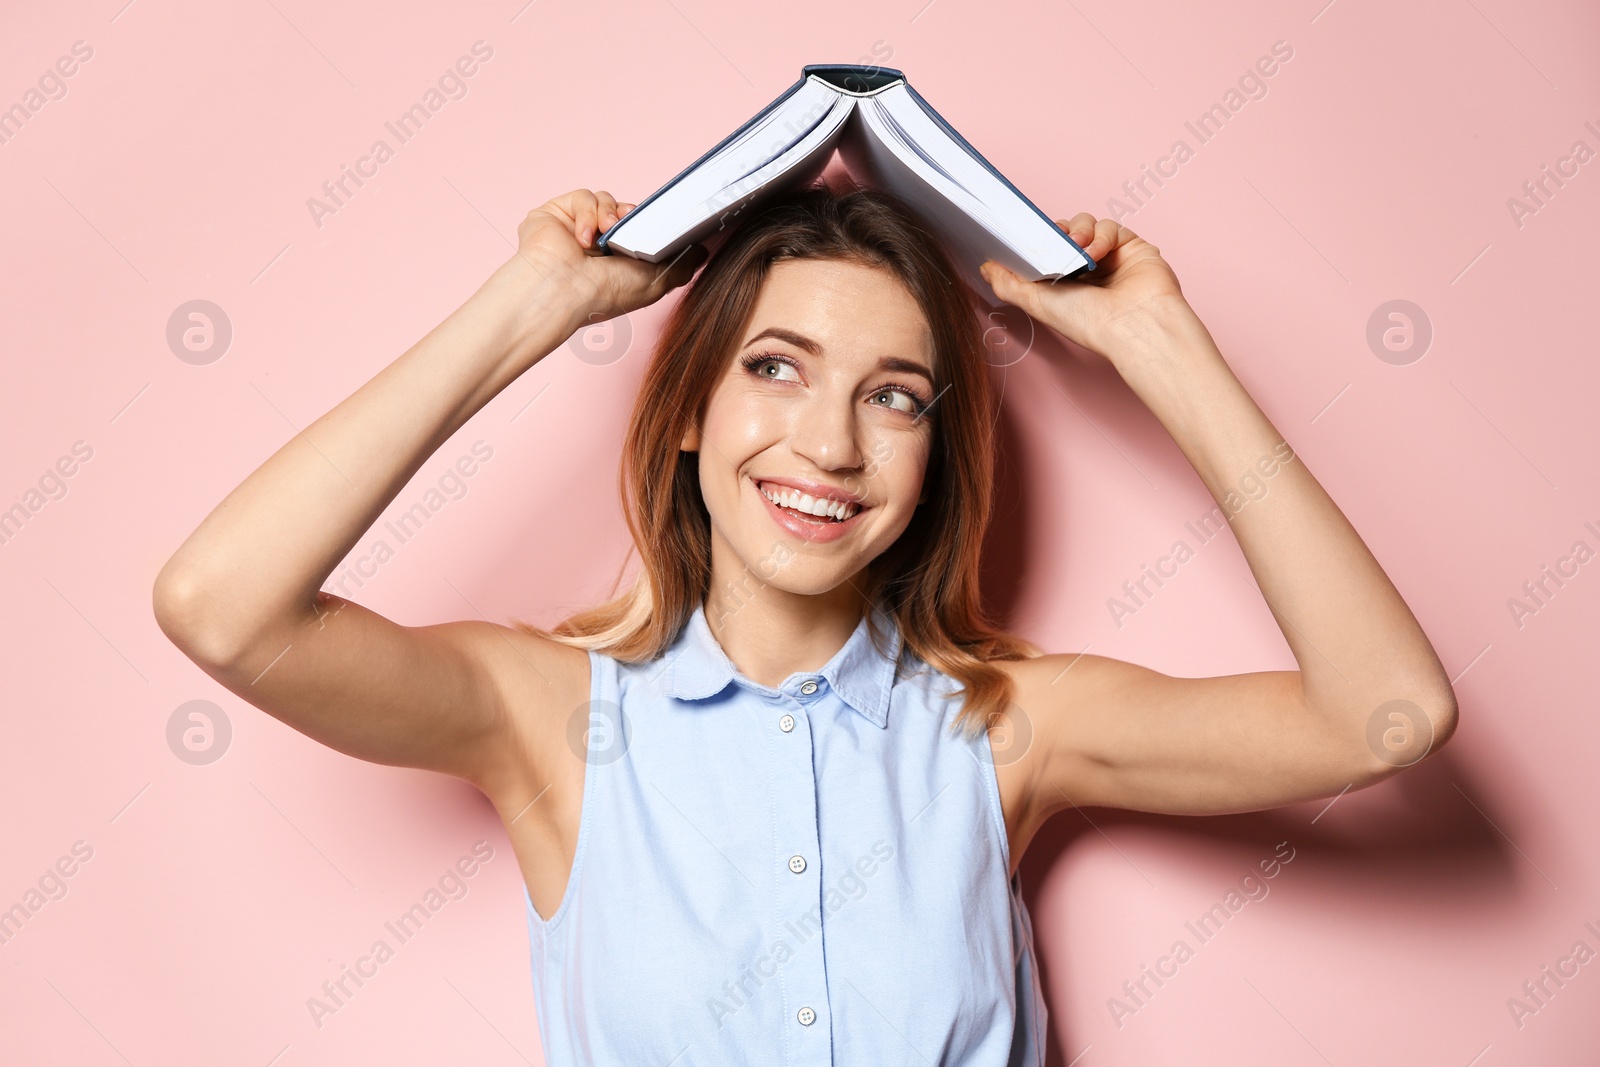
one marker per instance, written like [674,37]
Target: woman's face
[822,406]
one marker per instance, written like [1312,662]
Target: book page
[790,145]
[978,213]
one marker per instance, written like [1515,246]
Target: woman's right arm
[242,596]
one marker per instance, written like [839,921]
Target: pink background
[1378,166]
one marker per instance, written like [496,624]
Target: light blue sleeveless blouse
[807,875]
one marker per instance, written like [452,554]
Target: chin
[775,557]
[790,572]
[821,585]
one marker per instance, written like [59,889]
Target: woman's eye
[776,369]
[898,400]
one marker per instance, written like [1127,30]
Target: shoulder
[1053,677]
[1047,680]
[1059,700]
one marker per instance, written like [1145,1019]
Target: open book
[887,134]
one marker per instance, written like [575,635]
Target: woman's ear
[691,439]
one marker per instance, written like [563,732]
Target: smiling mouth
[809,508]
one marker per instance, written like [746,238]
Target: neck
[770,633]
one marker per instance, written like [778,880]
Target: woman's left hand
[1098,309]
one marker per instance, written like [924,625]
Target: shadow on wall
[1411,840]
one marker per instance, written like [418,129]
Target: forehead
[844,305]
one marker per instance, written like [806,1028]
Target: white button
[797,864]
[786,723]
[806,1016]
[809,688]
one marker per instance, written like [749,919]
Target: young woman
[770,802]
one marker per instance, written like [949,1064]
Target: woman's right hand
[558,238]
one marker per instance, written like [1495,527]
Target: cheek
[739,424]
[895,465]
[736,429]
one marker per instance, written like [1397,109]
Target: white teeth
[793,498]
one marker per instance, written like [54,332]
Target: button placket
[799,913]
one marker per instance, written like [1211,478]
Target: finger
[606,206]
[563,208]
[1010,288]
[584,206]
[1113,260]
[1126,237]
[1080,228]
[1104,239]
[568,204]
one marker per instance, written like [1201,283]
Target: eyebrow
[801,341]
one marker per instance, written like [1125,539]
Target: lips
[807,527]
[815,502]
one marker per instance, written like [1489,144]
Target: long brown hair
[927,581]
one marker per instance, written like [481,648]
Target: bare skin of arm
[242,596]
[1119,735]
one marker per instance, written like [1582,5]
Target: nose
[825,432]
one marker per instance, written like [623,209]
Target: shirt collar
[697,667]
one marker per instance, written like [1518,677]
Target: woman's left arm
[1370,695]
